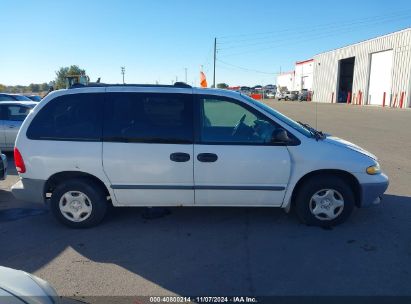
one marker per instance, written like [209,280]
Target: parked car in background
[294,95]
[12,115]
[3,166]
[17,286]
[270,87]
[270,95]
[303,96]
[245,90]
[288,95]
[279,95]
[154,151]
[36,98]
[15,97]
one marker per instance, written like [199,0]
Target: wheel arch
[59,177]
[346,176]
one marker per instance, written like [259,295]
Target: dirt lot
[239,251]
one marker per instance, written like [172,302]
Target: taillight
[19,162]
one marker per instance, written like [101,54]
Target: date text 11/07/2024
[178,299]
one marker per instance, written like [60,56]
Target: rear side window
[14,112]
[69,117]
[149,118]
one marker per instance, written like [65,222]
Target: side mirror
[280,136]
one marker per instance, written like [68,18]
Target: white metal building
[286,80]
[373,72]
[304,75]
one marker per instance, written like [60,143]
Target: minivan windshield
[293,124]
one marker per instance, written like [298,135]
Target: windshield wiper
[317,134]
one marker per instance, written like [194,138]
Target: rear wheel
[79,203]
[324,201]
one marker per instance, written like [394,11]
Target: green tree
[44,87]
[222,85]
[63,72]
[2,88]
[34,87]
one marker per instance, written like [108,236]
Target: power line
[228,37]
[247,69]
[305,33]
[207,59]
[294,41]
[297,35]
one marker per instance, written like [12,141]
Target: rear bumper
[371,193]
[3,166]
[31,190]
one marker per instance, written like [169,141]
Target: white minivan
[144,145]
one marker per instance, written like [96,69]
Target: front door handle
[12,127]
[207,157]
[180,157]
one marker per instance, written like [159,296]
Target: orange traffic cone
[203,80]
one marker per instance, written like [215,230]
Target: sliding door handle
[179,157]
[207,157]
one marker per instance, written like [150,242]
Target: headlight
[373,170]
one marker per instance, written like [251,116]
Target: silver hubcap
[75,206]
[327,204]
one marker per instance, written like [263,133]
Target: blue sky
[157,40]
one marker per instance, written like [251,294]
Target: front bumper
[3,167]
[27,189]
[371,193]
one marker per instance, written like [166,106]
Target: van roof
[175,85]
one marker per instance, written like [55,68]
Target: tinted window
[69,117]
[14,112]
[21,98]
[153,118]
[6,98]
[226,121]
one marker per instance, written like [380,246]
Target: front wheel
[79,203]
[324,201]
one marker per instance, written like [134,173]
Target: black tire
[286,99]
[96,195]
[314,186]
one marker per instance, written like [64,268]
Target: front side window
[69,117]
[293,124]
[14,112]
[149,118]
[226,121]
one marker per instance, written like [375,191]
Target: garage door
[380,77]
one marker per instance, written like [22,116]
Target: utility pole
[185,70]
[215,58]
[123,71]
